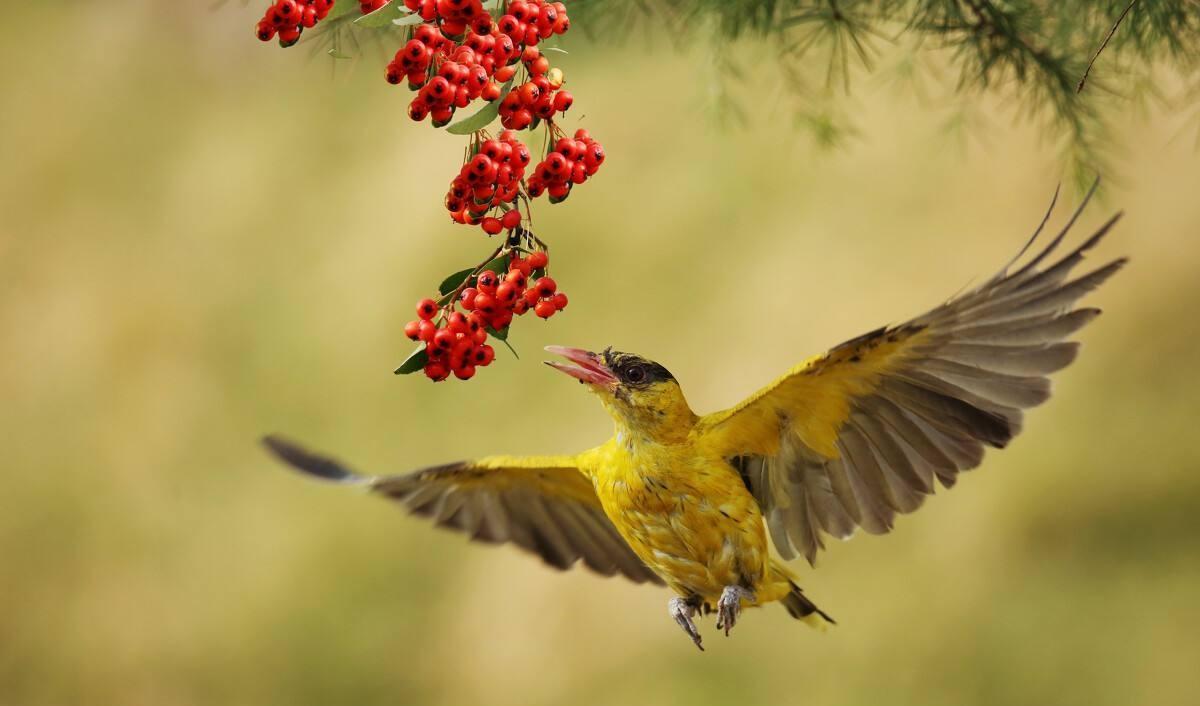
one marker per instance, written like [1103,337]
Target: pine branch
[1107,38]
[1040,52]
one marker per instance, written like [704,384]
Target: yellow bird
[847,440]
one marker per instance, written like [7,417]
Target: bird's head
[642,396]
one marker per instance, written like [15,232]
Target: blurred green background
[203,238]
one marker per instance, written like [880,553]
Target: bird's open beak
[585,366]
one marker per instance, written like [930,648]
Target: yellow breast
[688,517]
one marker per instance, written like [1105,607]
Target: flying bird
[845,441]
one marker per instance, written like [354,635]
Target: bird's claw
[729,607]
[683,611]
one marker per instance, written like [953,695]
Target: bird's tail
[798,605]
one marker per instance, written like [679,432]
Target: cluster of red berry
[456,341]
[571,162]
[491,178]
[464,72]
[459,52]
[460,55]
[455,16]
[530,21]
[288,18]
[539,98]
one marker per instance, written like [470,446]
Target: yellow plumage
[686,514]
[845,441]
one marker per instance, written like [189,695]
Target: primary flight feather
[847,440]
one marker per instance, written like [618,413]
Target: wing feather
[543,505]
[852,438]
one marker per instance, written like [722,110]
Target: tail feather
[800,608]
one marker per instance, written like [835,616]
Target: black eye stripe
[635,370]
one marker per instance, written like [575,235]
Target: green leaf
[482,118]
[338,55]
[413,19]
[502,336]
[499,265]
[557,49]
[452,282]
[383,16]
[414,362]
[344,7]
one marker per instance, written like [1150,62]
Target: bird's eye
[635,374]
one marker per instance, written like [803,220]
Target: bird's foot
[683,610]
[729,607]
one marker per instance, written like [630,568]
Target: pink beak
[585,366]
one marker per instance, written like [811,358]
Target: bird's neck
[668,422]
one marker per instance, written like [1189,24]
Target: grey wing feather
[312,464]
[561,529]
[984,360]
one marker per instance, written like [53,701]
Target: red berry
[491,226]
[427,330]
[579,173]
[468,298]
[594,156]
[563,101]
[426,308]
[436,371]
[444,339]
[458,323]
[413,329]
[506,294]
[560,301]
[529,93]
[517,278]
[418,110]
[539,259]
[544,309]
[539,66]
[520,119]
[501,320]
[511,219]
[289,36]
[442,115]
[555,164]
[486,281]
[465,372]
[546,286]
[504,73]
[485,303]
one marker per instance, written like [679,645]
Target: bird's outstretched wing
[853,437]
[543,504]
